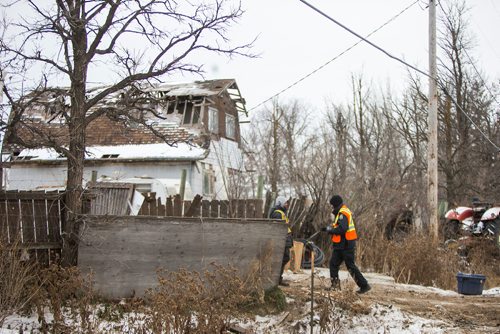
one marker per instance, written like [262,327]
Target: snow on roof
[184,89]
[117,152]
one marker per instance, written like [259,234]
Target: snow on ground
[492,292]
[379,279]
[380,318]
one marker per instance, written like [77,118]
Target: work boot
[283,283]
[364,289]
[335,284]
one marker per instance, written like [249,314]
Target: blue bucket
[470,284]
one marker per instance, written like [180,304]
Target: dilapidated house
[173,132]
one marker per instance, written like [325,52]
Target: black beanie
[336,201]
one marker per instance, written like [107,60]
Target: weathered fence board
[33,220]
[174,207]
[36,219]
[124,253]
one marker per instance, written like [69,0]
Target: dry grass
[416,259]
[188,302]
[484,258]
[183,302]
[69,297]
[334,306]
[16,280]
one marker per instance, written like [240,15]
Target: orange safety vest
[285,218]
[350,234]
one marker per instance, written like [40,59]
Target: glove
[326,229]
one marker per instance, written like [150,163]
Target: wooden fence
[175,207]
[34,220]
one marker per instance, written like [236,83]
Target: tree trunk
[449,166]
[74,193]
[76,156]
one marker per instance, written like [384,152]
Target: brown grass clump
[483,257]
[332,305]
[188,302]
[419,260]
[69,297]
[416,259]
[16,280]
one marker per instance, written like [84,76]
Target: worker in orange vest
[344,238]
[279,212]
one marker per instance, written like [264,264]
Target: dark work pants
[347,256]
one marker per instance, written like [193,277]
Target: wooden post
[433,126]
[312,287]
[94,176]
[183,184]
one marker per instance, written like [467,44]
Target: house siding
[224,105]
[112,130]
[33,176]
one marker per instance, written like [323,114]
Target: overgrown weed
[17,277]
[416,259]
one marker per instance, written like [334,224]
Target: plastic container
[470,284]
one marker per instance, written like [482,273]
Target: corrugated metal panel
[110,198]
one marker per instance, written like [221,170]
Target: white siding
[32,177]
[223,154]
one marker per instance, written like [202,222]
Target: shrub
[69,297]
[275,299]
[189,302]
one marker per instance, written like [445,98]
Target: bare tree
[277,138]
[467,155]
[267,142]
[296,121]
[70,40]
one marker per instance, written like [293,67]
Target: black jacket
[276,215]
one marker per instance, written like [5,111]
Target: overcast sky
[294,40]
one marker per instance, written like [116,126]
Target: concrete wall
[124,252]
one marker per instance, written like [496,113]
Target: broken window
[171,106]
[230,126]
[213,120]
[192,113]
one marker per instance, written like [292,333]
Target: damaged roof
[197,88]
[121,139]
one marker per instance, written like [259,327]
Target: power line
[334,58]
[474,66]
[468,117]
[406,64]
[366,40]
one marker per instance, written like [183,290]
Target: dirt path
[458,313]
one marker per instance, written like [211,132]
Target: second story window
[230,126]
[213,120]
[192,113]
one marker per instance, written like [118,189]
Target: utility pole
[432,167]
